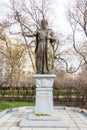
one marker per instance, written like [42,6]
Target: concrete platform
[9,119]
[56,120]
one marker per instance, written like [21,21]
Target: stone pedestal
[44,105]
[44,93]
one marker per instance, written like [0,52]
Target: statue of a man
[44,52]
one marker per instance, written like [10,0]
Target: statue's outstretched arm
[29,35]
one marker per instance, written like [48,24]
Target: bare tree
[10,56]
[77,17]
[27,15]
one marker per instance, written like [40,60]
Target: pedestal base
[56,120]
[44,104]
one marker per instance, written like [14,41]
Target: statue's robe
[44,51]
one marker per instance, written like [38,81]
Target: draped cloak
[44,51]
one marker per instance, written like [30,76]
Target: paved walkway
[9,120]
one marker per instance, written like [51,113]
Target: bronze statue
[45,40]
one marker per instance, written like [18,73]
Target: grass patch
[7,105]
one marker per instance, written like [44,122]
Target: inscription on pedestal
[44,94]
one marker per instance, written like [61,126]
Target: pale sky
[60,23]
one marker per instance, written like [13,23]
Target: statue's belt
[42,40]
